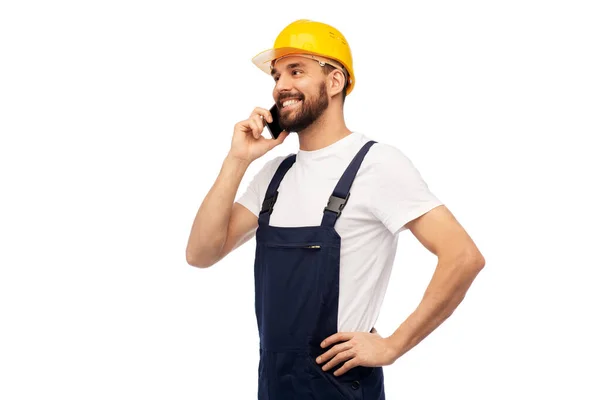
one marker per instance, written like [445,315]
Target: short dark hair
[328,68]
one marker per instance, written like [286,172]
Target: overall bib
[296,272]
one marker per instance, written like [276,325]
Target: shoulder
[276,161]
[267,167]
[387,157]
[386,164]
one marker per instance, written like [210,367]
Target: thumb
[279,139]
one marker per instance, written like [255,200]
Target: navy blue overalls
[296,273]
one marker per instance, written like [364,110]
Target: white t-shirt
[388,192]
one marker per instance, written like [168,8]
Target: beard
[308,112]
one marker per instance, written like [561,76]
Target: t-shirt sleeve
[254,194]
[400,194]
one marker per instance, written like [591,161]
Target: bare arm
[211,226]
[459,262]
[220,226]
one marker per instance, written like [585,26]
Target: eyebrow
[290,66]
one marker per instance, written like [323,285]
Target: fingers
[340,357]
[337,337]
[344,351]
[334,351]
[266,114]
[279,140]
[255,127]
[256,123]
[259,119]
[348,365]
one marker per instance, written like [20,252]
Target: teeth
[289,102]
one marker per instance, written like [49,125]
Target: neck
[326,130]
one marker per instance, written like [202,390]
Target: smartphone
[274,127]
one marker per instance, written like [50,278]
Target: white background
[115,117]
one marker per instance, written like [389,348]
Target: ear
[337,79]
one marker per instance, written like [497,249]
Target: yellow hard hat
[305,37]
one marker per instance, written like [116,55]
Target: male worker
[326,221]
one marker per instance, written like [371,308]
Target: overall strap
[271,195]
[341,193]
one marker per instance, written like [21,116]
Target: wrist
[396,345]
[237,161]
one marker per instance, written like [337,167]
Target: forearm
[448,287]
[209,229]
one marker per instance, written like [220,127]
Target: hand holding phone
[247,143]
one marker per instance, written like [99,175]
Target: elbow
[479,260]
[195,260]
[475,261]
[202,254]
[469,260]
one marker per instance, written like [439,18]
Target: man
[324,257]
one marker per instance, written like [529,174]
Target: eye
[296,72]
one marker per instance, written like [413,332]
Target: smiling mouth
[289,104]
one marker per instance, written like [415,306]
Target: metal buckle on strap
[336,204]
[268,203]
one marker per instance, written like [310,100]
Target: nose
[284,83]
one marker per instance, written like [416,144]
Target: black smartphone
[274,127]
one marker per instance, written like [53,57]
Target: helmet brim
[264,59]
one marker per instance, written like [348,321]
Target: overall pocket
[322,383]
[289,292]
